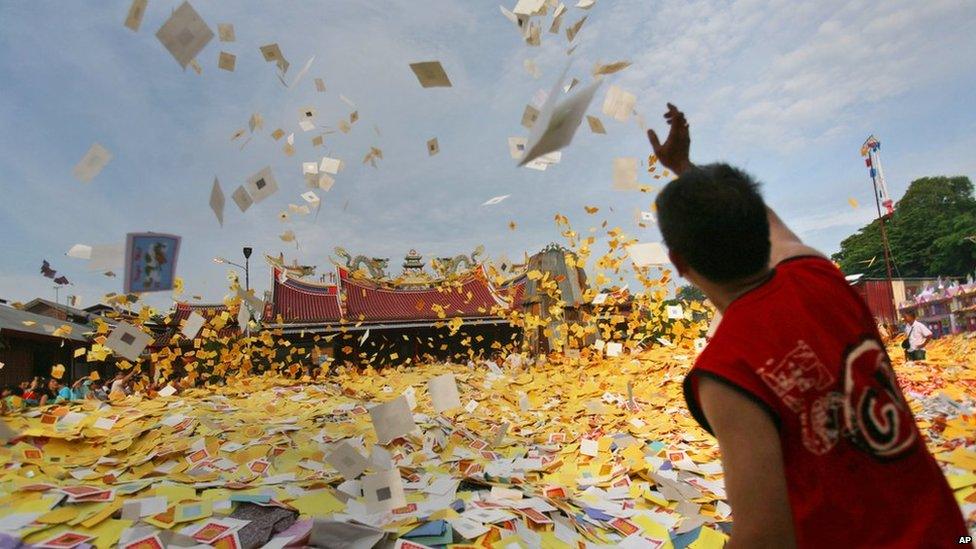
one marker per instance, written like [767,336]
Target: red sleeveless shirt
[805,347]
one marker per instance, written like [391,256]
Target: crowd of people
[43,391]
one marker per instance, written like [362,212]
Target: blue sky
[786,89]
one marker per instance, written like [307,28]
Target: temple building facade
[459,307]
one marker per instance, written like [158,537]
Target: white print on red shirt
[800,380]
[876,416]
[871,411]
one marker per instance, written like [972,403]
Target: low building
[30,344]
[883,297]
[59,311]
[946,307]
[366,314]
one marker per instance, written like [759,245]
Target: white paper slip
[383,491]
[392,419]
[443,392]
[557,123]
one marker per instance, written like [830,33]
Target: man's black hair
[714,217]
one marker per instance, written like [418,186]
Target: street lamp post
[247,276]
[246,266]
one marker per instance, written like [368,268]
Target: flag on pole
[871,151]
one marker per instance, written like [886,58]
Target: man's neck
[722,295]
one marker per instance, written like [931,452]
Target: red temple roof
[470,296]
[298,301]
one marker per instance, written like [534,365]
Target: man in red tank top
[819,446]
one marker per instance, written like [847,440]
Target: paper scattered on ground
[576,459]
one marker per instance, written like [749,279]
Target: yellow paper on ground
[59,515]
[175,492]
[103,514]
[318,504]
[108,532]
[652,529]
[709,539]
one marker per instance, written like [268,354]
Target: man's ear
[680,265]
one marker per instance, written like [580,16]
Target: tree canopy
[931,233]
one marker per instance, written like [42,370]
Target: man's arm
[674,155]
[926,335]
[784,243]
[753,464]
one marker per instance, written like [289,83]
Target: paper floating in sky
[80,251]
[648,254]
[261,185]
[625,174]
[92,163]
[433,147]
[574,29]
[150,262]
[127,341]
[330,165]
[185,34]
[272,52]
[227,61]
[225,32]
[311,198]
[106,257]
[217,201]
[495,200]
[596,125]
[516,147]
[557,122]
[610,68]
[431,74]
[133,20]
[242,199]
[300,75]
[529,116]
[545,161]
[619,104]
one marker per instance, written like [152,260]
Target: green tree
[927,233]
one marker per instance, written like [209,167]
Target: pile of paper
[545,455]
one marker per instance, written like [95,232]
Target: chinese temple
[459,307]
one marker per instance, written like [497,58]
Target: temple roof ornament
[376,266]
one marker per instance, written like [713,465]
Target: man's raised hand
[673,153]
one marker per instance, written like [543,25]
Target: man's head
[909,316]
[53,384]
[715,224]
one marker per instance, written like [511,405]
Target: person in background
[31,395]
[99,391]
[818,444]
[10,399]
[121,381]
[917,336]
[46,394]
[81,388]
[61,392]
